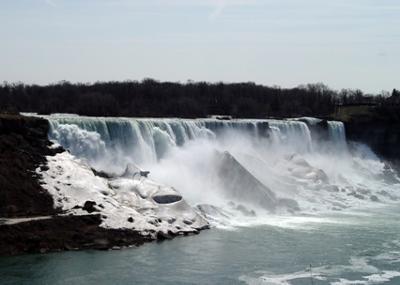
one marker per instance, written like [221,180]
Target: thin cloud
[221,5]
[219,8]
[50,3]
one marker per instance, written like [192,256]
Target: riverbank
[33,219]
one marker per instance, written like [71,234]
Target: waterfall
[292,133]
[337,134]
[280,163]
[148,140]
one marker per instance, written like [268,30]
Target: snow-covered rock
[128,202]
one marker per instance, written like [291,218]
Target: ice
[131,203]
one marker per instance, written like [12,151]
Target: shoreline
[31,221]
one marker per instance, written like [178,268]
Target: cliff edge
[376,126]
[23,147]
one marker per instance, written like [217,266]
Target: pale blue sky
[343,43]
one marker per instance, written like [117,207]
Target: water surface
[355,248]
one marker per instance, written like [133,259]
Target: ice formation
[134,202]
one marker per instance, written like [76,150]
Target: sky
[342,43]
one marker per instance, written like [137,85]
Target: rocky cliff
[383,138]
[23,147]
[378,127]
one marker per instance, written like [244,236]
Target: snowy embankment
[52,201]
[131,201]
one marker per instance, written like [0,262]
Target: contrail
[219,7]
[50,3]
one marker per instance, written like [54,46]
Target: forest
[152,98]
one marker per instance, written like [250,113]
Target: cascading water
[147,140]
[234,166]
[337,134]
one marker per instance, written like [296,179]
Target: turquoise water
[357,248]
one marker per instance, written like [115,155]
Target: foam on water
[360,266]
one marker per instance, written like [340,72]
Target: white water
[240,171]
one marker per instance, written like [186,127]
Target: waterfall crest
[147,140]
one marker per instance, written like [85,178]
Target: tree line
[151,98]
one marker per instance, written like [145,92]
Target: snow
[122,202]
[14,221]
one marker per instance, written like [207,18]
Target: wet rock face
[378,127]
[23,147]
[382,137]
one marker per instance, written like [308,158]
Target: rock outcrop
[383,138]
[23,147]
[239,184]
[375,126]
[34,219]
